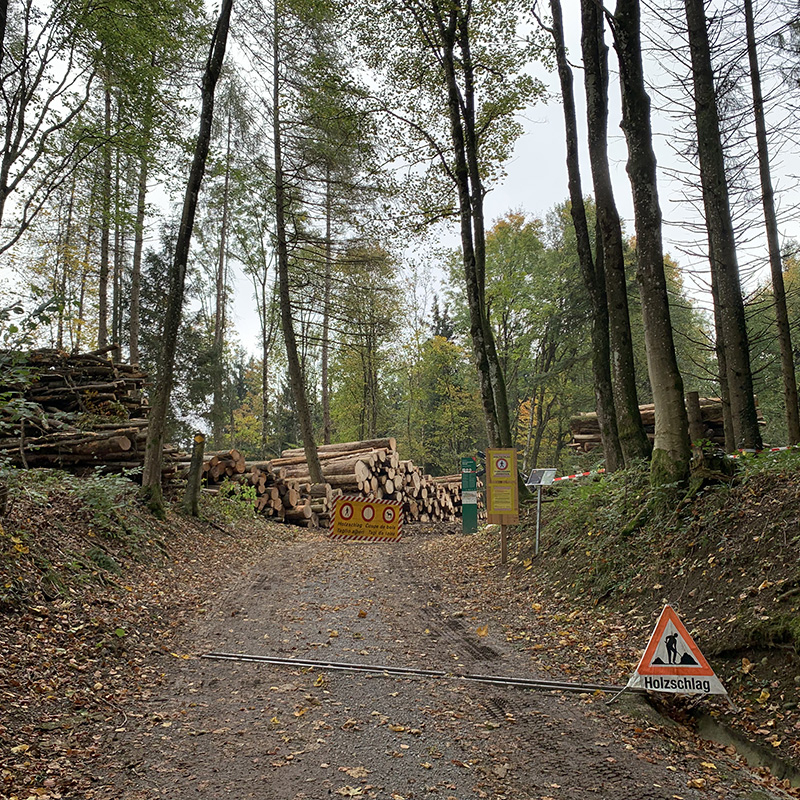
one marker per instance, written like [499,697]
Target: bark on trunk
[773,243]
[722,246]
[296,378]
[105,231]
[453,32]
[670,461]
[591,269]
[221,279]
[326,403]
[151,477]
[632,437]
[136,265]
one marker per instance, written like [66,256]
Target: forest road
[217,729]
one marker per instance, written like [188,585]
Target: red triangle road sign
[672,662]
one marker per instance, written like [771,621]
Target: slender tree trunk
[670,461]
[218,370]
[722,245]
[105,231]
[136,265]
[326,310]
[453,28]
[156,432]
[116,280]
[496,372]
[632,437]
[591,269]
[722,365]
[773,242]
[82,295]
[296,377]
[65,259]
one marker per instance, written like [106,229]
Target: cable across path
[377,669]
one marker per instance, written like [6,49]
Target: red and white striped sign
[366,520]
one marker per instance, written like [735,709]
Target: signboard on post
[469,495]
[366,520]
[539,478]
[502,493]
[672,662]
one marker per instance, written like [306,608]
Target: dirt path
[246,730]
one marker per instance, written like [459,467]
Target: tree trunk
[136,265]
[326,309]
[773,243]
[454,29]
[217,366]
[105,231]
[632,437]
[296,377]
[156,432]
[722,246]
[116,275]
[591,269]
[670,461]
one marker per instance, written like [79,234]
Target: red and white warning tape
[765,450]
[579,475]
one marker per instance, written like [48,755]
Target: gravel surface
[215,728]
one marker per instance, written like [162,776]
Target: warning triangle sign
[672,662]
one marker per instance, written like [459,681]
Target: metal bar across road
[498,680]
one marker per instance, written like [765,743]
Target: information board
[502,493]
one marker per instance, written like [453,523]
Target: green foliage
[451,421]
[104,497]
[765,349]
[234,501]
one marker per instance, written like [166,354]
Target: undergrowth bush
[106,497]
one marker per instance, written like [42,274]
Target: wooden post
[190,497]
[696,429]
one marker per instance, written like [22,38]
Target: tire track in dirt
[255,731]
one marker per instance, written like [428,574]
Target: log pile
[283,487]
[75,411]
[71,385]
[585,428]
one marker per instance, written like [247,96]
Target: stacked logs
[372,468]
[705,414]
[72,385]
[75,411]
[287,500]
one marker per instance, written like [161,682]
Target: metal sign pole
[538,515]
[539,478]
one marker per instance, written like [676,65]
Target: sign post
[469,495]
[502,493]
[539,478]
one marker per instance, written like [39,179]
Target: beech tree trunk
[671,453]
[722,245]
[591,269]
[632,437]
[773,242]
[151,477]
